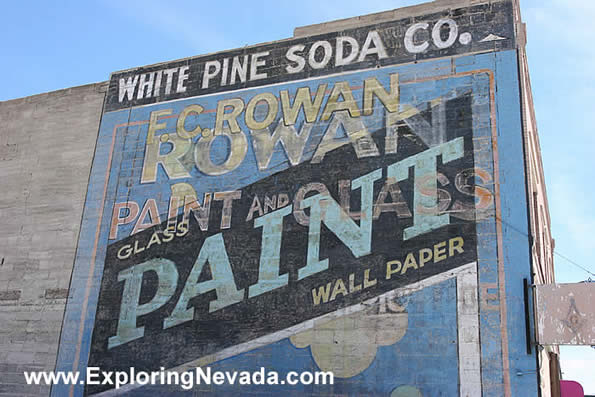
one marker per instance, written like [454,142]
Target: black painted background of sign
[479,20]
[292,304]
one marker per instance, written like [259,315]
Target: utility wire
[573,262]
[555,252]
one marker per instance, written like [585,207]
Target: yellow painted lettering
[367,282]
[425,255]
[231,117]
[390,270]
[321,294]
[410,262]
[341,89]
[455,244]
[303,99]
[339,289]
[272,108]
[390,100]
[440,252]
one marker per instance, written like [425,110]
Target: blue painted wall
[427,358]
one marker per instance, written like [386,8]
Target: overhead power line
[573,263]
[555,252]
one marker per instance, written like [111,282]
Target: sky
[59,44]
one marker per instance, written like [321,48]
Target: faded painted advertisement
[316,203]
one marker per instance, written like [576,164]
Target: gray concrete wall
[47,143]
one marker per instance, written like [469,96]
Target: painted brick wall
[429,302]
